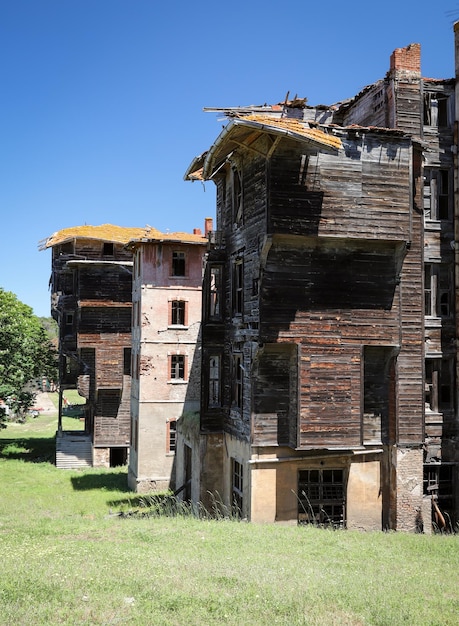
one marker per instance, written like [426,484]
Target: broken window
[439,384]
[214,380]
[321,497]
[237,487]
[237,197]
[238,378]
[215,292]
[108,249]
[436,109]
[437,290]
[238,281]
[438,484]
[378,394]
[430,289]
[68,324]
[177,367]
[178,263]
[171,442]
[67,248]
[437,194]
[127,361]
[178,313]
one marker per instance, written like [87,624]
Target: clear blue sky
[101,101]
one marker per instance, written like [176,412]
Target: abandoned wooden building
[91,300]
[166,321]
[328,334]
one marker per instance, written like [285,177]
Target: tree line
[27,352]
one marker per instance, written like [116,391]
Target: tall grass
[68,557]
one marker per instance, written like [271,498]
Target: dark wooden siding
[275,381]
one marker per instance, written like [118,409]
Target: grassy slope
[67,560]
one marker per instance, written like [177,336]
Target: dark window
[178,308]
[443,194]
[238,380]
[187,453]
[238,291]
[214,380]
[439,486]
[437,194]
[215,292]
[321,497]
[127,361]
[171,436]
[237,488]
[67,248]
[108,249]
[439,384]
[178,264]
[68,327]
[436,110]
[177,362]
[237,197]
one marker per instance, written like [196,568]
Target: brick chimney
[406,59]
[208,225]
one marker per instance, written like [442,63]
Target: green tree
[26,353]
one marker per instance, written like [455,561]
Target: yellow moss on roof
[115,234]
[296,126]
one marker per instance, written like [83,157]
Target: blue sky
[101,101]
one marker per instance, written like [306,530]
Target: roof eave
[209,164]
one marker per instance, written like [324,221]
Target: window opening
[237,197]
[238,380]
[215,288]
[238,277]
[178,312]
[187,472]
[437,194]
[443,194]
[237,488]
[68,327]
[214,380]
[108,249]
[321,497]
[430,290]
[171,435]
[178,367]
[127,361]
[438,384]
[439,485]
[178,264]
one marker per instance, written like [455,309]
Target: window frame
[437,194]
[237,487]
[215,293]
[237,196]
[178,313]
[439,384]
[314,494]
[238,287]
[178,263]
[238,380]
[177,363]
[214,381]
[171,436]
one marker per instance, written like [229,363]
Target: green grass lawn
[68,558]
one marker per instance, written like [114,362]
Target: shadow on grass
[32,450]
[134,502]
[109,481]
